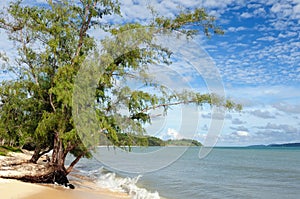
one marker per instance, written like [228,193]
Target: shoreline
[14,189]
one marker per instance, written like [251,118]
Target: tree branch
[51,102]
[69,169]
[83,29]
[168,104]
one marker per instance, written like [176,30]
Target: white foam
[128,185]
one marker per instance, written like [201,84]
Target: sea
[225,173]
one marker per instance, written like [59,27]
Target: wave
[104,178]
[115,183]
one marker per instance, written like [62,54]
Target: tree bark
[56,149]
[36,155]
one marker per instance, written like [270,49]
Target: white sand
[13,189]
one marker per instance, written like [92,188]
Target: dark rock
[71,186]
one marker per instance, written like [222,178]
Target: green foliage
[131,140]
[51,42]
[4,150]
[183,142]
[154,141]
[17,119]
[185,19]
[12,149]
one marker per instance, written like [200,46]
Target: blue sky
[258,59]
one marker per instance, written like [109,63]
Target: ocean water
[267,173]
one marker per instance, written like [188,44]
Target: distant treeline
[285,145]
[136,140]
[183,142]
[277,145]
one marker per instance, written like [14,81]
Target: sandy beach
[13,189]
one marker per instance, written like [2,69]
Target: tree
[53,42]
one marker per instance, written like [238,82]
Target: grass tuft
[5,149]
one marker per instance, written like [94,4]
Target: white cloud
[287,34]
[237,121]
[296,11]
[236,29]
[267,38]
[287,107]
[217,4]
[254,5]
[217,116]
[276,8]
[282,10]
[4,3]
[240,128]
[242,133]
[282,127]
[171,134]
[246,15]
[260,12]
[297,7]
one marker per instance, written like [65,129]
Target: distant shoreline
[284,145]
[278,145]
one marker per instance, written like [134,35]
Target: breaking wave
[115,183]
[109,180]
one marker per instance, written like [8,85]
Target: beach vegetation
[4,150]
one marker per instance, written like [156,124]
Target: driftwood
[16,167]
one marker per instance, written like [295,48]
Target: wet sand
[13,189]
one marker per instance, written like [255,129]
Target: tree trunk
[58,157]
[55,147]
[58,174]
[38,153]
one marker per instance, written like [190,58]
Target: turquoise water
[225,173]
[230,173]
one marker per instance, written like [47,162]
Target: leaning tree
[53,42]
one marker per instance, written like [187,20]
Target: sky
[258,60]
